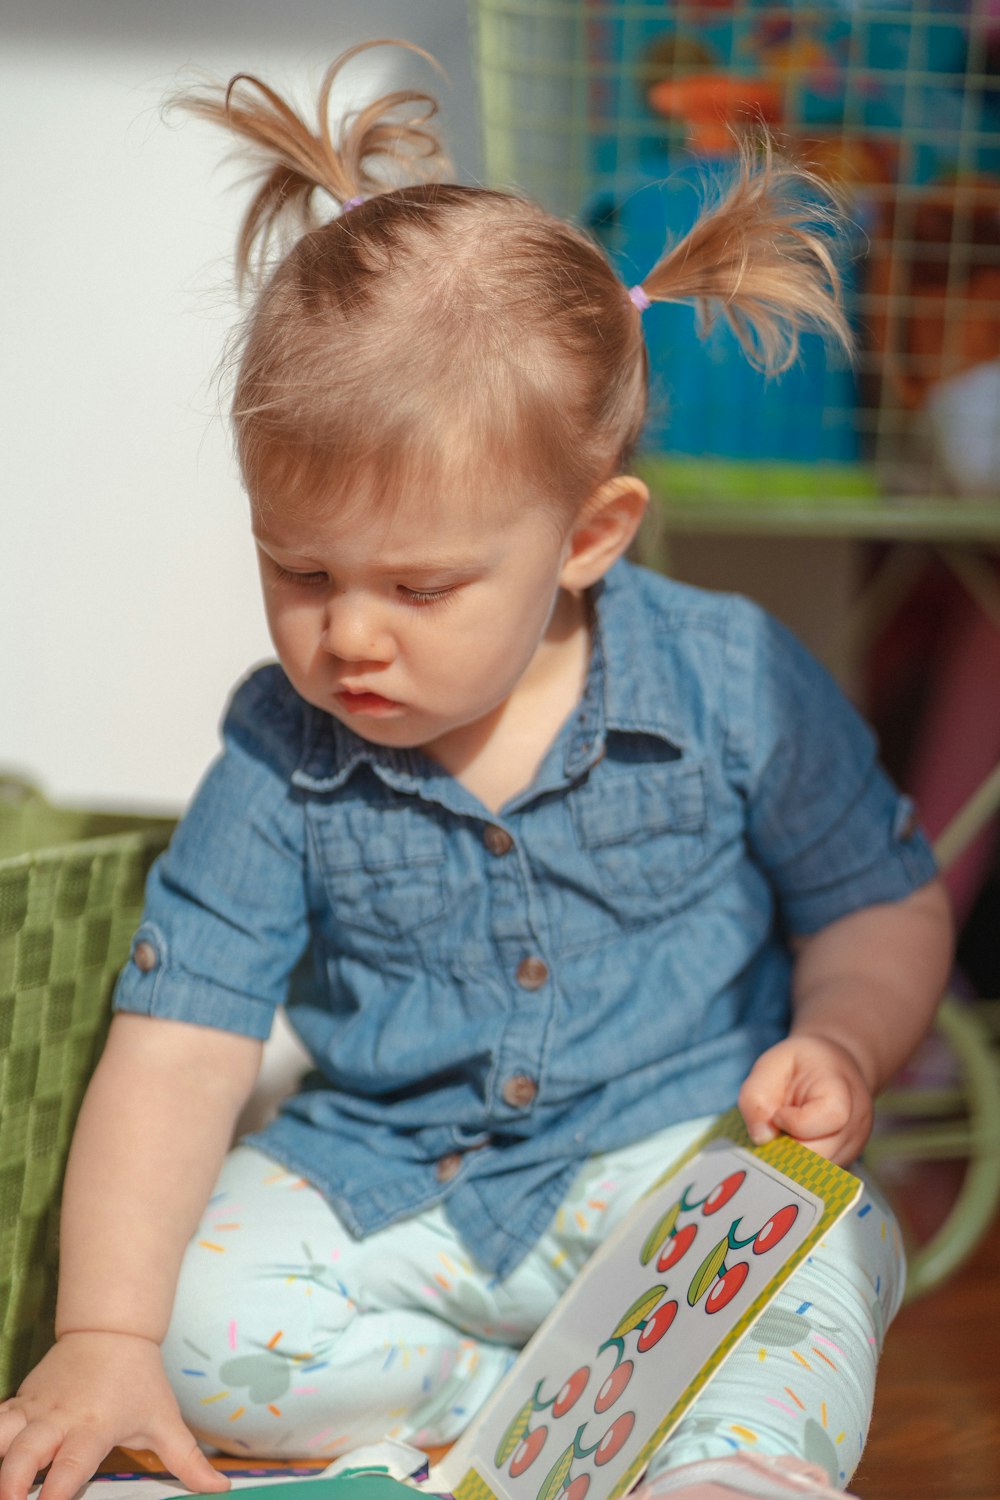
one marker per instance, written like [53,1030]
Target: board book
[650,1320]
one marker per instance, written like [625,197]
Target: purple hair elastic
[638,296]
[345,208]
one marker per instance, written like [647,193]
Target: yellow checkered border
[474,1487]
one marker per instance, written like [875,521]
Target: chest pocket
[644,829]
[383,868]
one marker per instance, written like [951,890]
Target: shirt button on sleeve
[497,840]
[145,957]
[448,1166]
[519,1091]
[532,973]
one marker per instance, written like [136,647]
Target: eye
[301,580]
[421,597]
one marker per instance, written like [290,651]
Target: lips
[365,702]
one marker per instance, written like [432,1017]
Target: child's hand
[91,1392]
[811,1088]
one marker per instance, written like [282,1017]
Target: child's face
[409,626]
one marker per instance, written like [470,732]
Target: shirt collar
[625,692]
[331,753]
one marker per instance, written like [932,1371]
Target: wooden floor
[936,1433]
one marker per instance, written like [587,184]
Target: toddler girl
[552,858]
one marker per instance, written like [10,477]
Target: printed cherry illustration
[577,1488]
[637,1314]
[677,1247]
[555,1480]
[660,1231]
[571,1391]
[527,1451]
[615,1438]
[515,1431]
[775,1229]
[709,1269]
[722,1192]
[656,1326]
[726,1287]
[613,1386]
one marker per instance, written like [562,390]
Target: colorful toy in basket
[870,102]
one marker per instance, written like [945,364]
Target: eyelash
[306,580]
[419,598]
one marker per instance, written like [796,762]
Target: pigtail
[762,257]
[372,148]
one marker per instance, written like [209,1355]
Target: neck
[499,755]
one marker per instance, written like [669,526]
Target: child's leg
[289,1337]
[803,1382]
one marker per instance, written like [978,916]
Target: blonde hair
[438,332]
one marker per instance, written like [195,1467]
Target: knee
[241,1355]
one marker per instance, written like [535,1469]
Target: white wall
[128,599]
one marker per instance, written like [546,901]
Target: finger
[762,1095]
[30,1451]
[840,1147]
[845,1146]
[12,1421]
[179,1452]
[74,1463]
[825,1111]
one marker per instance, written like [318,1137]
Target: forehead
[453,503]
[437,529]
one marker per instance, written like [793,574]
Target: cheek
[296,632]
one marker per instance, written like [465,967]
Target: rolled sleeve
[226,917]
[826,823]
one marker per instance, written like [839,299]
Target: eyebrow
[444,563]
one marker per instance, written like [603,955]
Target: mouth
[372,704]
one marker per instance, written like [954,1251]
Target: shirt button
[448,1166]
[497,840]
[519,1090]
[145,957]
[532,973]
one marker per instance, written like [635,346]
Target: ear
[603,531]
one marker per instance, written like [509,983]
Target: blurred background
[128,593]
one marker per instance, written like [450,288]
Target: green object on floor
[71,892]
[351,1484]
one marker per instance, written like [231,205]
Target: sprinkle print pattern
[291,1338]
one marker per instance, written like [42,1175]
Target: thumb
[179,1453]
[764,1091]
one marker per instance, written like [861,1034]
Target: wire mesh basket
[71,891]
[617,113]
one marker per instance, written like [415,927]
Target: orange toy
[711,103]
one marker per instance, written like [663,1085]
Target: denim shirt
[489,999]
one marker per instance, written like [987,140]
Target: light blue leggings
[291,1338]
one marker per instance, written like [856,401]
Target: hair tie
[345,208]
[639,298]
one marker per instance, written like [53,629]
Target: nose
[354,629]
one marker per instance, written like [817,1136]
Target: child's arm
[864,993]
[154,1128]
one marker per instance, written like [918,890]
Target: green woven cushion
[71,891]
